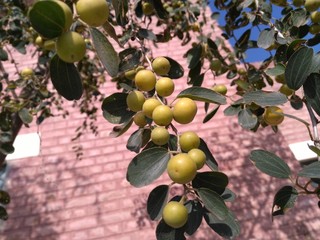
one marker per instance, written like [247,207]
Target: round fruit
[164,87]
[130,74]
[147,8]
[273,115]
[145,80]
[160,136]
[215,65]
[161,66]
[38,41]
[242,71]
[49,45]
[284,89]
[181,168]
[175,214]
[135,100]
[220,88]
[198,156]
[189,140]
[26,73]
[67,14]
[162,115]
[149,105]
[312,5]
[71,47]
[298,3]
[94,13]
[140,119]
[315,17]
[314,29]
[184,110]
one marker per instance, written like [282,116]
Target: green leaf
[311,170]
[228,228]
[195,216]
[242,42]
[3,55]
[211,114]
[165,232]
[213,202]
[312,91]
[215,181]
[266,38]
[47,18]
[147,34]
[121,9]
[194,55]
[6,148]
[147,166]
[157,199]
[203,94]
[105,51]
[3,213]
[211,161]
[173,143]
[232,110]
[4,197]
[129,59]
[277,70]
[115,109]
[270,164]
[247,119]
[25,116]
[176,70]
[121,129]
[298,67]
[159,9]
[265,99]
[314,149]
[284,199]
[228,195]
[66,79]
[138,139]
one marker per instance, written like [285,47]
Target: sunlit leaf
[203,94]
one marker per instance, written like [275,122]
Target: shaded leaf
[215,181]
[211,114]
[3,213]
[176,70]
[138,139]
[211,161]
[194,55]
[129,59]
[311,170]
[165,232]
[312,91]
[159,9]
[4,197]
[3,55]
[265,99]
[25,116]
[314,149]
[157,199]
[203,94]
[147,34]
[195,216]
[121,9]
[121,129]
[243,40]
[284,199]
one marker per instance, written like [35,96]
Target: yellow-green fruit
[161,66]
[149,105]
[93,12]
[160,136]
[130,74]
[175,214]
[67,14]
[242,71]
[164,87]
[298,3]
[314,29]
[198,156]
[184,110]
[220,88]
[181,168]
[189,140]
[273,115]
[38,41]
[162,115]
[145,80]
[281,3]
[26,73]
[315,17]
[135,100]
[312,5]
[140,119]
[147,8]
[215,65]
[71,47]
[284,89]
[49,45]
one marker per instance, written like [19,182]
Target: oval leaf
[121,129]
[215,181]
[270,164]
[165,232]
[156,201]
[194,55]
[105,51]
[210,161]
[147,166]
[311,170]
[203,94]
[66,79]
[312,91]
[265,99]
[4,197]
[3,213]
[284,199]
[176,70]
[247,119]
[195,215]
[298,67]
[25,116]
[138,139]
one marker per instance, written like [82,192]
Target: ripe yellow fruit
[284,89]
[162,115]
[149,105]
[184,110]
[215,65]
[198,156]
[220,88]
[67,14]
[71,47]
[315,17]
[140,119]
[273,115]
[181,168]
[164,87]
[26,73]
[147,8]
[312,5]
[160,136]
[145,80]
[93,12]
[175,214]
[135,100]
[161,66]
[189,140]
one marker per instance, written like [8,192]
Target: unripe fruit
[130,74]
[147,8]
[314,29]
[26,73]
[189,140]
[164,87]
[215,65]
[140,119]
[273,115]
[281,3]
[284,89]
[135,100]
[149,105]
[181,168]
[220,88]
[175,214]
[71,47]
[49,45]
[160,136]
[145,80]
[161,66]
[93,12]
[184,110]
[162,115]
[38,41]
[298,3]
[315,17]
[312,5]
[198,156]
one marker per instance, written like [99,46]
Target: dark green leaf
[195,215]
[312,91]
[111,32]
[121,9]
[247,119]
[270,164]
[121,129]
[203,94]
[25,116]
[4,197]
[129,59]
[243,40]
[311,170]
[66,79]
[194,55]
[3,213]
[3,55]
[156,201]
[165,232]
[277,70]
[265,99]
[147,166]
[147,34]
[211,114]
[176,70]
[6,148]
[105,51]
[211,161]
[228,195]
[173,142]
[215,181]
[314,149]
[284,199]
[298,67]
[138,139]
[159,9]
